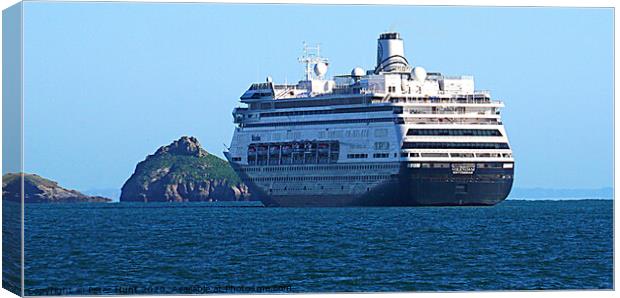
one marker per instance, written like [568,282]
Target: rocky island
[40,190]
[183,171]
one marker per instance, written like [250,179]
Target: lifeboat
[286,149]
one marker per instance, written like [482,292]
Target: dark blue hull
[440,187]
[421,187]
[410,187]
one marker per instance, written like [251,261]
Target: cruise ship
[394,135]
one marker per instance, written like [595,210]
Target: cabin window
[382,145]
[453,145]
[357,155]
[454,132]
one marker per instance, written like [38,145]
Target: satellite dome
[419,74]
[320,69]
[357,72]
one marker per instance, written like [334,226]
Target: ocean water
[197,248]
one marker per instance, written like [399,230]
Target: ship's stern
[455,184]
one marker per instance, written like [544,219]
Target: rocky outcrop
[181,172]
[188,146]
[40,190]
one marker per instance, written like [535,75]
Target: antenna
[311,57]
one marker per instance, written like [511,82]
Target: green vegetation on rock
[183,168]
[183,171]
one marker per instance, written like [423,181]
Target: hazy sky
[108,83]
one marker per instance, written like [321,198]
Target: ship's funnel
[391,53]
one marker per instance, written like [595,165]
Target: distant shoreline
[561,199]
[551,193]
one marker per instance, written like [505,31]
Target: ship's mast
[312,57]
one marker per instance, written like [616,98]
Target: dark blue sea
[198,248]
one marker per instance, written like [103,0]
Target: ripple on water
[516,245]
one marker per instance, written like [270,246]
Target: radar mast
[315,64]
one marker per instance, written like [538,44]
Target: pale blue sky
[108,83]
